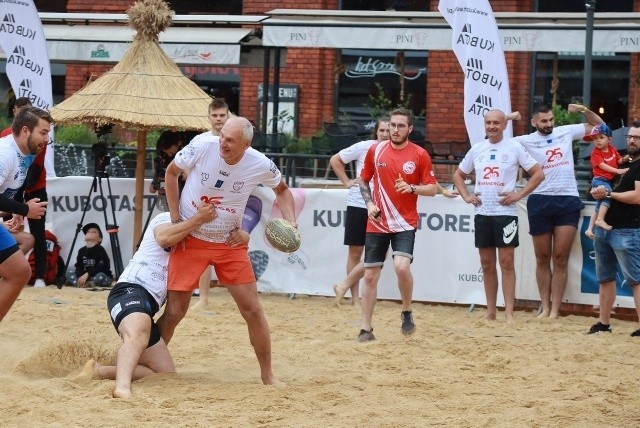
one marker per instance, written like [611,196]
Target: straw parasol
[145,90]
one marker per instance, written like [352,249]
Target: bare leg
[203,285]
[353,277]
[25,241]
[14,274]
[175,309]
[402,266]
[246,297]
[563,237]
[490,275]
[505,256]
[369,295]
[354,260]
[636,298]
[134,329]
[600,220]
[542,249]
[592,222]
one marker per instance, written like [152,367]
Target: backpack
[55,264]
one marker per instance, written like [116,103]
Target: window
[579,6]
[210,7]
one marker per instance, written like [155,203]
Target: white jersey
[13,166]
[554,152]
[357,153]
[148,267]
[214,181]
[496,169]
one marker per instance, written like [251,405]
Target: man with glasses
[30,135]
[400,171]
[554,206]
[621,244]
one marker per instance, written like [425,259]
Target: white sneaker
[39,283]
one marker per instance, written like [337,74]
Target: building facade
[330,84]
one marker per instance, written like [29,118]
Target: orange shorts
[192,256]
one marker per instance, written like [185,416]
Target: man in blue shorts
[29,136]
[554,206]
[132,303]
[621,244]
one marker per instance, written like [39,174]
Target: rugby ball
[282,235]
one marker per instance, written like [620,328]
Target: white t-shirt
[496,168]
[356,152]
[148,267]
[13,166]
[212,180]
[554,152]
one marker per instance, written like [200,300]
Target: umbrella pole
[139,198]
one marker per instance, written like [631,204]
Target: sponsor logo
[509,232]
[100,52]
[238,185]
[223,173]
[481,105]
[218,184]
[465,38]
[409,167]
[8,26]
[203,176]
[132,302]
[372,67]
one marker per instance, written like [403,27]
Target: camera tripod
[110,228]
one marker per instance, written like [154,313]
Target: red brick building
[319,73]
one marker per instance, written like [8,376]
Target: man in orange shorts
[222,171]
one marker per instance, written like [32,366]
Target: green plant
[379,104]
[299,145]
[282,119]
[74,134]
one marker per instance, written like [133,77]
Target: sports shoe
[408,327]
[366,336]
[599,327]
[39,283]
[635,333]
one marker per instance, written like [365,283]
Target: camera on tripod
[100,150]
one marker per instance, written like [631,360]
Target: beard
[545,131]
[33,147]
[633,151]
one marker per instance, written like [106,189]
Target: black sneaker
[366,336]
[408,327]
[636,333]
[599,327]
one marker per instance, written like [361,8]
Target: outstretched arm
[169,234]
[284,198]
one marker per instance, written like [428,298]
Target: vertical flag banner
[28,69]
[476,44]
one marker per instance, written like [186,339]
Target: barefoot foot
[122,393]
[603,224]
[90,369]
[339,294]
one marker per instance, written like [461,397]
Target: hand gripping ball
[282,235]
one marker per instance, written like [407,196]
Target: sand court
[456,370]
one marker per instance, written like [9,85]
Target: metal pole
[590,5]
[265,89]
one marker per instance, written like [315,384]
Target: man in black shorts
[132,303]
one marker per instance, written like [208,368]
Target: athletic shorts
[546,212]
[496,231]
[617,247]
[192,256]
[377,244]
[8,244]
[126,298]
[355,226]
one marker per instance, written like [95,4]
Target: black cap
[90,226]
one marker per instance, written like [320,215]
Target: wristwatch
[608,195]
[413,188]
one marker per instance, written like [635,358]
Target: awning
[186,46]
[535,32]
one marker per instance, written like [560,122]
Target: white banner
[23,41]
[476,43]
[446,266]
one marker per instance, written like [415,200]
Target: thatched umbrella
[145,90]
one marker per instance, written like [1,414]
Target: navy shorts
[496,231]
[355,226]
[8,244]
[546,212]
[126,298]
[377,244]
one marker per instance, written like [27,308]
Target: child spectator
[93,267]
[604,161]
